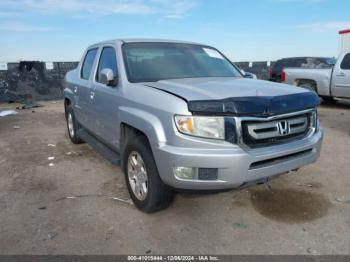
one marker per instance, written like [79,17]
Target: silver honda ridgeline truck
[180,115]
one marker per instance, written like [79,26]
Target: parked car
[180,116]
[276,72]
[328,83]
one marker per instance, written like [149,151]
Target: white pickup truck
[327,83]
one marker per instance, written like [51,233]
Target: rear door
[83,90]
[341,77]
[106,100]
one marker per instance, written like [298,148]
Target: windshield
[151,62]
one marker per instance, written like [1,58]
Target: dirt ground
[307,212]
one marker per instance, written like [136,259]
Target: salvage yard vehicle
[180,116]
[276,73]
[328,83]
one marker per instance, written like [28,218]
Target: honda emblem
[283,127]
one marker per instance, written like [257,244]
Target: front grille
[263,132]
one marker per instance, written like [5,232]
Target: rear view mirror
[107,77]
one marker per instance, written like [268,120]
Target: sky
[250,30]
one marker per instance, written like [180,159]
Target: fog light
[185,172]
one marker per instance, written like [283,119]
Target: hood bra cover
[255,105]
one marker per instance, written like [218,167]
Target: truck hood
[238,96]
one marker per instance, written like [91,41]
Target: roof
[345,31]
[139,40]
[303,57]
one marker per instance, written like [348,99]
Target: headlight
[201,126]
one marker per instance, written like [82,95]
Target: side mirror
[107,77]
[249,75]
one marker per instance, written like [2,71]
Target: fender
[146,122]
[68,93]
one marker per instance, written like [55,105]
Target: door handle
[340,74]
[75,89]
[92,94]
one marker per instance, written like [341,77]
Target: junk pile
[29,81]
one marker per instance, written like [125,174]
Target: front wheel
[146,188]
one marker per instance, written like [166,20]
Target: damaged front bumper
[235,166]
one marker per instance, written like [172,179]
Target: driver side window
[108,59]
[345,64]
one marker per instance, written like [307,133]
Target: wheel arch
[311,82]
[145,122]
[134,123]
[67,102]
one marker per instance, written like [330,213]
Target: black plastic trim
[230,130]
[279,159]
[255,105]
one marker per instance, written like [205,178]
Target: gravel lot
[306,212]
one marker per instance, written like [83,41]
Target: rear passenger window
[107,60]
[88,63]
[345,64]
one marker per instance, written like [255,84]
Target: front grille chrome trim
[272,129]
[239,120]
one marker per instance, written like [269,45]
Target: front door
[341,77]
[106,100]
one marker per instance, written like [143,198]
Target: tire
[328,99]
[72,126]
[146,188]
